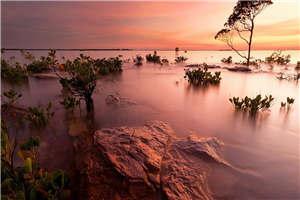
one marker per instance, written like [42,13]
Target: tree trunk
[89,103]
[250,42]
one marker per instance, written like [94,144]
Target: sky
[141,25]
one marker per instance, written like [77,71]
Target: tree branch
[229,43]
[240,35]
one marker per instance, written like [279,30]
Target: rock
[213,66]
[45,76]
[239,69]
[112,99]
[116,100]
[149,162]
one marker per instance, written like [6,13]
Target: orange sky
[142,25]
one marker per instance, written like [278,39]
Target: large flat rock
[149,162]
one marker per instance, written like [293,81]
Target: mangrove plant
[107,66]
[28,180]
[39,116]
[138,60]
[42,64]
[278,58]
[180,59]
[202,76]
[227,60]
[153,58]
[12,72]
[81,79]
[252,104]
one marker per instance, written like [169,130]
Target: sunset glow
[143,25]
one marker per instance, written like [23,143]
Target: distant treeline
[31,49]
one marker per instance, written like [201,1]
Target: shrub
[12,96]
[227,60]
[13,73]
[202,76]
[39,116]
[289,102]
[29,180]
[252,105]
[255,62]
[107,66]
[138,60]
[297,66]
[278,58]
[81,81]
[70,102]
[180,59]
[164,61]
[153,58]
[43,64]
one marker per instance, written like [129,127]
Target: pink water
[267,146]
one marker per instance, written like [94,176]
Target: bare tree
[241,23]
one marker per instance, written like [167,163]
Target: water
[267,146]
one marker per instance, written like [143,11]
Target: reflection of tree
[241,24]
[254,120]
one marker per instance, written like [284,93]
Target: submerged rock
[239,69]
[116,100]
[112,99]
[149,162]
[213,66]
[45,76]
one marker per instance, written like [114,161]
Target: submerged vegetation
[12,97]
[106,66]
[278,58]
[138,60]
[180,59]
[28,180]
[252,104]
[201,76]
[39,116]
[81,79]
[153,58]
[227,60]
[70,102]
[42,64]
[12,72]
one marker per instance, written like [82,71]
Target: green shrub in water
[201,76]
[81,79]
[297,66]
[29,180]
[12,97]
[138,60]
[278,58]
[164,61]
[13,73]
[252,105]
[180,59]
[70,102]
[43,64]
[107,66]
[153,58]
[39,116]
[289,102]
[227,60]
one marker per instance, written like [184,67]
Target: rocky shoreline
[148,162]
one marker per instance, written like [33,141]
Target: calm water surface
[267,146]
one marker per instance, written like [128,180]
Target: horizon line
[134,49]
